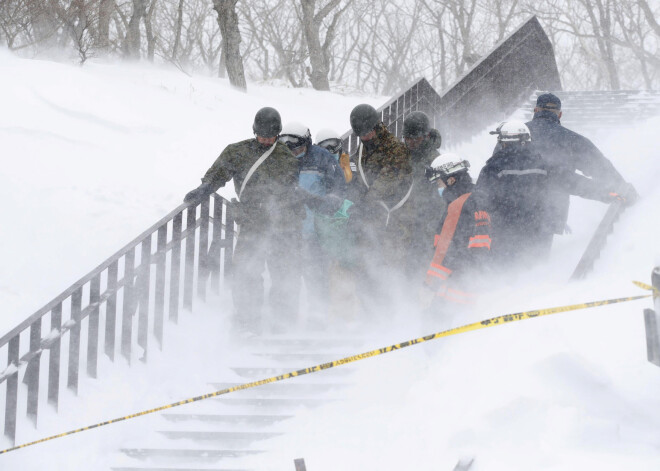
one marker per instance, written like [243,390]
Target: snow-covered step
[229,419]
[282,388]
[175,469]
[197,455]
[229,439]
[263,372]
[272,403]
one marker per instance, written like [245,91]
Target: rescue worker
[321,175]
[385,174]
[514,183]
[330,140]
[422,141]
[462,243]
[565,151]
[335,241]
[269,215]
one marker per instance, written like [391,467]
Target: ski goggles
[292,142]
[447,170]
[332,145]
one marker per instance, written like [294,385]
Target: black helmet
[363,119]
[416,124]
[267,122]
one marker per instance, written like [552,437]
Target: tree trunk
[106,7]
[231,41]
[177,34]
[318,74]
[131,46]
[149,30]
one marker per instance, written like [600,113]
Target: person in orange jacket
[462,243]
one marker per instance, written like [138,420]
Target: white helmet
[512,131]
[330,140]
[445,166]
[295,134]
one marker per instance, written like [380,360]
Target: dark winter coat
[565,151]
[462,245]
[425,203]
[514,186]
[269,197]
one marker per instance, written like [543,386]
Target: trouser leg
[284,266]
[315,270]
[247,281]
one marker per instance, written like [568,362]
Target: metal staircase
[222,433]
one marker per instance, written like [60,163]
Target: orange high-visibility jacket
[462,246]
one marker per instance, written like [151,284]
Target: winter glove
[239,211]
[198,194]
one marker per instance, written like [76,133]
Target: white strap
[254,167]
[398,205]
[364,179]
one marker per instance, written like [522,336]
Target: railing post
[175,270]
[143,283]
[216,243]
[11,399]
[203,251]
[111,311]
[128,305]
[54,358]
[229,241]
[189,269]
[300,464]
[93,329]
[32,373]
[161,258]
[74,340]
[652,322]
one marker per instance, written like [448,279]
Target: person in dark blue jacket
[514,185]
[322,177]
[565,151]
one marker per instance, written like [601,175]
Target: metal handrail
[206,239]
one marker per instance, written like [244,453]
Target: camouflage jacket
[385,165]
[269,195]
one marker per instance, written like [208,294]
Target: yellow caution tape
[655,290]
[500,320]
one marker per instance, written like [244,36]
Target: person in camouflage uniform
[425,203]
[384,188]
[269,215]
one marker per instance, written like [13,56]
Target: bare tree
[131,44]
[231,41]
[312,21]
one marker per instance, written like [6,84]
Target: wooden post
[214,256]
[652,323]
[128,305]
[300,464]
[111,311]
[93,331]
[74,340]
[32,372]
[189,268]
[143,285]
[161,258]
[175,271]
[54,358]
[203,264]
[11,399]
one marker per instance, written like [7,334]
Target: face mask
[441,190]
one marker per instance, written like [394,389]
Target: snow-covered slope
[93,155]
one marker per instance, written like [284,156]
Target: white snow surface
[94,155]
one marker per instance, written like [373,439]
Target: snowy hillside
[94,155]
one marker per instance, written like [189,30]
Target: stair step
[229,418]
[207,455]
[306,359]
[257,373]
[243,438]
[149,468]
[273,403]
[283,388]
